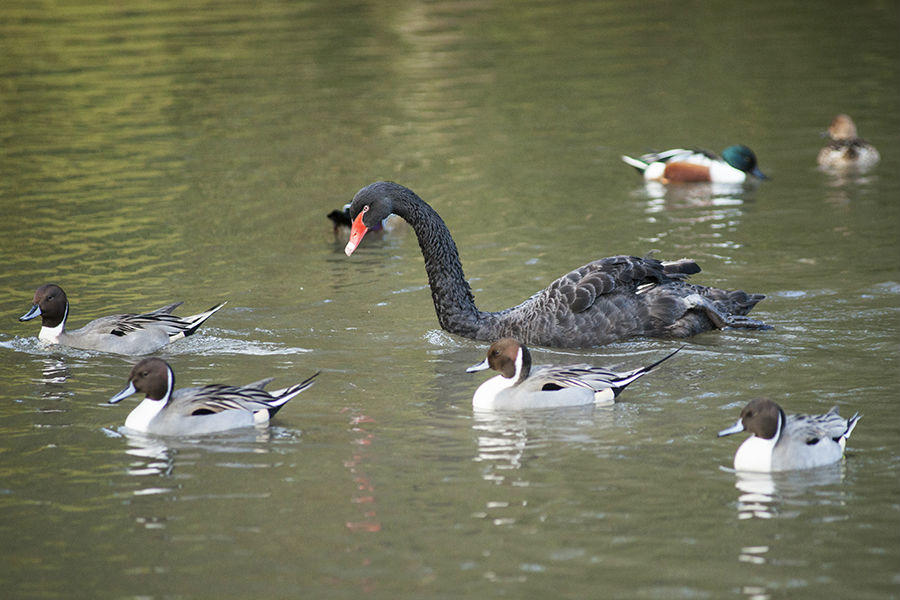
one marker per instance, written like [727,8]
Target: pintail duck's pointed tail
[851,424]
[631,376]
[283,396]
[197,320]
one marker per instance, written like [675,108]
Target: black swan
[603,301]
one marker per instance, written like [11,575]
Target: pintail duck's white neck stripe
[139,419]
[51,334]
[755,454]
[523,365]
[170,385]
[519,377]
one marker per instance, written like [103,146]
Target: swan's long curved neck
[452,296]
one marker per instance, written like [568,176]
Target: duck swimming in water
[689,166]
[601,302]
[782,442]
[521,385]
[198,410]
[847,150]
[122,334]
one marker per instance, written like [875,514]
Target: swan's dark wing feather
[580,288]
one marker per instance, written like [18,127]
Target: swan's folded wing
[580,288]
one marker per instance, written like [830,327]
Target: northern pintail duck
[782,442]
[685,166]
[198,410]
[122,334]
[846,150]
[601,302]
[521,385]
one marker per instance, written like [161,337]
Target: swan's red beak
[357,231]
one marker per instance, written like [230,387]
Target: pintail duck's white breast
[781,442]
[132,334]
[197,411]
[521,385]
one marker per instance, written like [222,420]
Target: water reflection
[54,371]
[157,454]
[702,213]
[765,495]
[54,374]
[506,439]
[364,495]
[661,196]
[843,185]
[502,439]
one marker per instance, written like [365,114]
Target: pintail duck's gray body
[131,334]
[198,410]
[783,442]
[523,386]
[603,301]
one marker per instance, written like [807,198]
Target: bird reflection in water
[54,373]
[696,195]
[157,454]
[689,209]
[507,438]
[502,439]
[363,496]
[766,495]
[365,488]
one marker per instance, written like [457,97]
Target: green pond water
[156,151]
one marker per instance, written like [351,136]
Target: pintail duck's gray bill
[479,367]
[736,428]
[34,312]
[123,394]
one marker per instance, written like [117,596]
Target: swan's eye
[365,208]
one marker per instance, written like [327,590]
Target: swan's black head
[378,197]
[370,207]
